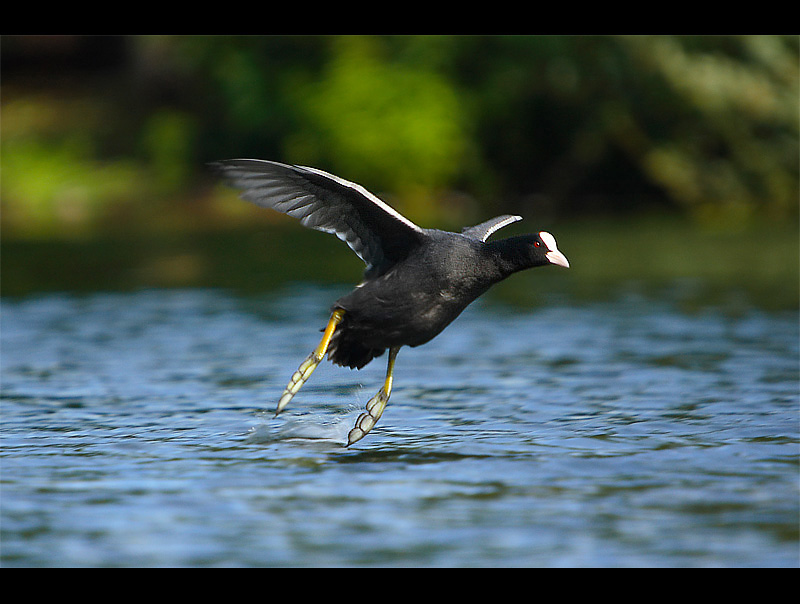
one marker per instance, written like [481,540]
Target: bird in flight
[416,281]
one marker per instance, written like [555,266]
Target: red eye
[536,244]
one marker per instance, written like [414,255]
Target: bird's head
[545,250]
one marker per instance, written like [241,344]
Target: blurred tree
[541,125]
[707,123]
[733,150]
[240,86]
[383,123]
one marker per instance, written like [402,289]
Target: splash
[317,426]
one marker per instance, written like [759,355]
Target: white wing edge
[362,191]
[500,225]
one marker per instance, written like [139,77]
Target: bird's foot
[369,418]
[375,406]
[310,363]
[299,378]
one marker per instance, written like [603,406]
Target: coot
[416,281]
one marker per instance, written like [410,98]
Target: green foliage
[542,125]
[168,145]
[53,181]
[708,124]
[733,151]
[393,125]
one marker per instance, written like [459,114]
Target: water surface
[638,430]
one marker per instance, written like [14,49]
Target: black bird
[417,281]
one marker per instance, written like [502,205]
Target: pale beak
[558,258]
[553,255]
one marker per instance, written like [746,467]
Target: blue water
[137,430]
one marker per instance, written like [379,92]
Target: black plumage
[416,281]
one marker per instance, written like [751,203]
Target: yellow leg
[308,366]
[375,405]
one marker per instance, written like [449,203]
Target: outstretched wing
[378,234]
[483,231]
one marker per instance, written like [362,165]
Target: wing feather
[483,231]
[377,233]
